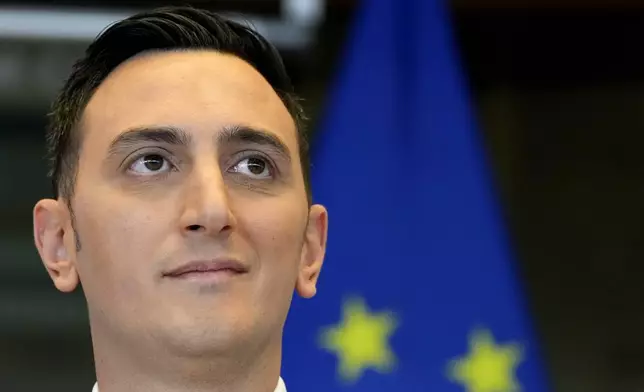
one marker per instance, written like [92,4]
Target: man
[182,204]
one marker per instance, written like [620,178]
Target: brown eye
[153,162]
[256,166]
[253,167]
[150,164]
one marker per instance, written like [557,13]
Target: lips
[207,267]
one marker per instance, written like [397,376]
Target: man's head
[168,29]
[177,146]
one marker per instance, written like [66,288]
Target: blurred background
[558,91]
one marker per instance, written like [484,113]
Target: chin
[211,339]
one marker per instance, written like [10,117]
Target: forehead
[200,91]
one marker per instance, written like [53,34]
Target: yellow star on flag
[361,340]
[487,367]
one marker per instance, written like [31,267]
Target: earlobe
[313,251]
[50,221]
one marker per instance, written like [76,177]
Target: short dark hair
[162,29]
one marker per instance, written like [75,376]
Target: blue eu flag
[418,291]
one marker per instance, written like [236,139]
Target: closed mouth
[201,268]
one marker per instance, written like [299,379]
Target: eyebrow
[179,137]
[167,135]
[243,134]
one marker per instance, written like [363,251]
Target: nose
[207,209]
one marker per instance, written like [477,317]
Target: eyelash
[174,165]
[141,154]
[272,168]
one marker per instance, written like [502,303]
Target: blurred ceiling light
[303,12]
[293,32]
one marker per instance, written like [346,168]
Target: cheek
[116,243]
[275,236]
[276,233]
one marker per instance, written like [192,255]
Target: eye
[150,164]
[256,167]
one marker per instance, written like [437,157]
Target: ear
[313,251]
[52,232]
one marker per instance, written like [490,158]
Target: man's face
[191,157]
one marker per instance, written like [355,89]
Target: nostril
[194,227]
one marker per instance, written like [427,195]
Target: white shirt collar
[280,386]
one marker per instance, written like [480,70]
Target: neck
[127,368]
